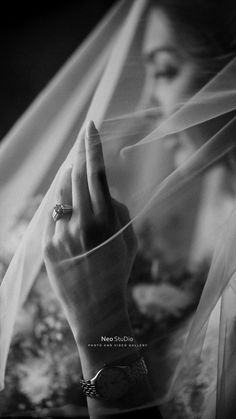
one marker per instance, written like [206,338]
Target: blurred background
[35,40]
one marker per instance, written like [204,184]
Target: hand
[90,285]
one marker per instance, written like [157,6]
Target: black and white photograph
[118,209]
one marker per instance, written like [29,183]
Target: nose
[149,97]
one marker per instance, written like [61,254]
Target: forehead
[158,32]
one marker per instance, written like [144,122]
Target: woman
[87,262]
[184,48]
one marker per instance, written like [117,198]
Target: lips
[153,114]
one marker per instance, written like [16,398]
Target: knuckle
[120,205]
[57,242]
[79,234]
[62,237]
[74,228]
[122,212]
[48,249]
[66,238]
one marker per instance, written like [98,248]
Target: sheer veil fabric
[104,81]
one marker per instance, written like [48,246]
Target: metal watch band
[136,370]
[89,389]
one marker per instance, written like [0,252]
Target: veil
[104,81]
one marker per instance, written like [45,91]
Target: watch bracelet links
[89,389]
[137,370]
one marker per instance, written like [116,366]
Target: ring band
[60,210]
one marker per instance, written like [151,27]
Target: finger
[80,192]
[48,233]
[64,196]
[96,174]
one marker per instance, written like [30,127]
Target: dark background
[35,41]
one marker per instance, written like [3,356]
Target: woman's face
[171,75]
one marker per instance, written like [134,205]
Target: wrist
[101,320]
[100,330]
[106,345]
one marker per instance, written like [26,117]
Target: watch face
[112,383]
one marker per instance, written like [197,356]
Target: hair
[206,29]
[210,26]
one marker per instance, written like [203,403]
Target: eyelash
[169,73]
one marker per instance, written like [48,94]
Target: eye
[168,72]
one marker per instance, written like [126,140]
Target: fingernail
[91,129]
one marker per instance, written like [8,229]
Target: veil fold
[104,81]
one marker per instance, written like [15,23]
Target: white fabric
[103,81]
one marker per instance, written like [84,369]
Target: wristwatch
[113,381]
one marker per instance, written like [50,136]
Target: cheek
[171,94]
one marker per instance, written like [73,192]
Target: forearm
[89,274]
[99,346]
